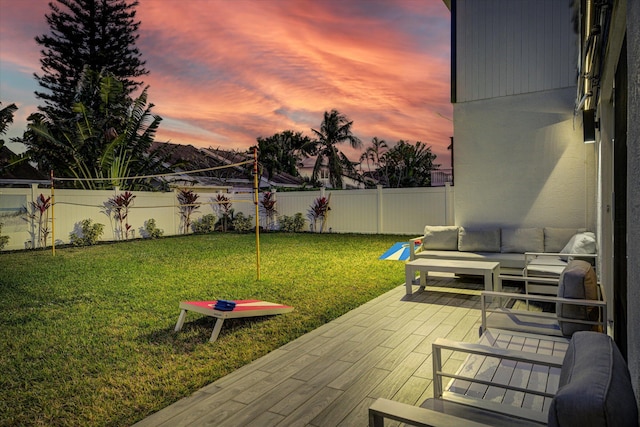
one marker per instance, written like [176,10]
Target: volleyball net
[122,202]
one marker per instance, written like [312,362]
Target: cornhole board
[243,308]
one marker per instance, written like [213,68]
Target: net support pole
[255,202]
[53,218]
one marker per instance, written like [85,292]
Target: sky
[224,72]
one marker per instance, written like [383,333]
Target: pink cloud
[224,73]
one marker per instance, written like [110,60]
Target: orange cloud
[226,72]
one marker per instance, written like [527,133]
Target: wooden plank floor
[330,376]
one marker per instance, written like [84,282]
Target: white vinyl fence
[375,211]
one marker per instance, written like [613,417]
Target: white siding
[520,161]
[510,47]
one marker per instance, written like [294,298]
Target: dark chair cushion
[577,281]
[595,386]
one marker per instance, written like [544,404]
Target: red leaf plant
[319,210]
[119,205]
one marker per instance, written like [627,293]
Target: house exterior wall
[605,158]
[519,152]
[633,193]
[511,47]
[623,13]
[520,161]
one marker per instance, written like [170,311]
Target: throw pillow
[556,238]
[487,240]
[595,385]
[581,243]
[440,238]
[577,281]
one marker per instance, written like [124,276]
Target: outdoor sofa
[538,252]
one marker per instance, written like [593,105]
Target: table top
[451,263]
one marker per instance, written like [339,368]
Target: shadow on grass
[198,331]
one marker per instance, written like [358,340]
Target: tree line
[90,127]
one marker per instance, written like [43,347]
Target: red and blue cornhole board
[243,308]
[398,252]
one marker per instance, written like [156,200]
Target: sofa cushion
[577,281]
[521,240]
[440,237]
[481,240]
[556,238]
[595,386]
[506,260]
[546,266]
[580,243]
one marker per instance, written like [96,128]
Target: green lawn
[87,338]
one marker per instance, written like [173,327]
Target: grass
[87,336]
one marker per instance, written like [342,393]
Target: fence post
[176,212]
[380,226]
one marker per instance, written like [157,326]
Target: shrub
[222,205]
[268,209]
[118,206]
[39,214]
[318,211]
[242,223]
[292,224]
[88,235]
[3,239]
[188,204]
[205,224]
[151,230]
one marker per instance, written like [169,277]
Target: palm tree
[409,165]
[374,156]
[283,152]
[335,129]
[6,116]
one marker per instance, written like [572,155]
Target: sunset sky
[224,72]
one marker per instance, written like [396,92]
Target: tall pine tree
[90,126]
[99,35]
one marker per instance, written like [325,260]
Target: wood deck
[330,376]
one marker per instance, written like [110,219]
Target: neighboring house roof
[189,158]
[350,180]
[22,171]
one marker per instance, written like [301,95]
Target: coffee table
[243,308]
[490,271]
